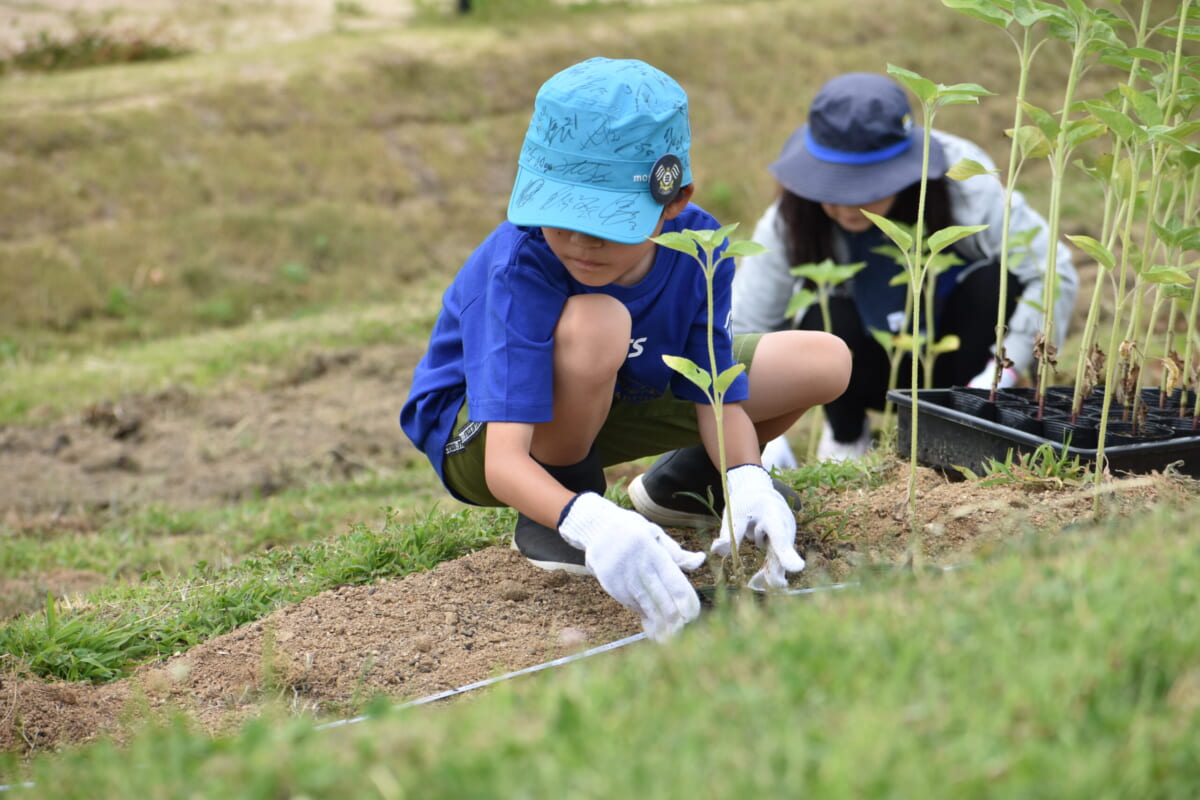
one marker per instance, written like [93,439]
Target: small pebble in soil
[572,637]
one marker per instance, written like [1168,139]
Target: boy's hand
[760,513]
[635,562]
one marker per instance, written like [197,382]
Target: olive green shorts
[631,431]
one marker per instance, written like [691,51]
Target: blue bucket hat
[606,149]
[858,146]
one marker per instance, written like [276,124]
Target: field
[216,274]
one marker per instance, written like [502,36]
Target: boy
[545,363]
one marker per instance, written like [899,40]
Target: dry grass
[237,184]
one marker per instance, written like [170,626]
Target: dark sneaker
[675,510]
[545,548]
[682,509]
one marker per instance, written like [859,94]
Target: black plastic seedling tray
[948,438]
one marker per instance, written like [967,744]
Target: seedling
[824,276]
[704,246]
[912,245]
[1025,15]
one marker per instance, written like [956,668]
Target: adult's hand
[635,561]
[760,514]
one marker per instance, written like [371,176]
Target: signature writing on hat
[621,213]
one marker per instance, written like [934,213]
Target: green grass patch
[161,541]
[250,354]
[121,626]
[1065,668]
[149,201]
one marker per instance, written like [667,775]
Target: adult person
[859,150]
[545,362]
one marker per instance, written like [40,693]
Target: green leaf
[885,338]
[827,272]
[725,379]
[940,262]
[744,247]
[1095,249]
[1080,131]
[942,239]
[1121,125]
[688,369]
[1027,13]
[893,231]
[1144,105]
[800,300]
[677,241]
[1166,274]
[981,10]
[960,93]
[925,89]
[1176,291]
[1032,142]
[967,168]
[946,344]
[1044,120]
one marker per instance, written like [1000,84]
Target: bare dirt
[468,620]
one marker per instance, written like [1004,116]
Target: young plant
[1056,137]
[704,246]
[913,245]
[824,276]
[1026,15]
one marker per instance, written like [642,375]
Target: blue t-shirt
[493,340]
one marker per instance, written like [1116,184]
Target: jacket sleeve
[763,284]
[980,201]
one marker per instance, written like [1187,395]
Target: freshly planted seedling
[704,246]
[824,276]
[912,245]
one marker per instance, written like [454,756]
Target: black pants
[969,313]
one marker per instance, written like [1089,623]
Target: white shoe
[829,449]
[778,454]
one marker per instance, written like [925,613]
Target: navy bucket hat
[606,149]
[858,146]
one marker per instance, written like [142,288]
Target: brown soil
[465,621]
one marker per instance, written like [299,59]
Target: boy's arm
[741,440]
[516,479]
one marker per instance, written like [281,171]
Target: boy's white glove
[760,513]
[635,561]
[1008,378]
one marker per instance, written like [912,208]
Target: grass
[1065,669]
[164,540]
[206,361]
[121,626]
[169,198]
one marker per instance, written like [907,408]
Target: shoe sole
[552,566]
[661,515]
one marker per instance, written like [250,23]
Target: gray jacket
[763,284]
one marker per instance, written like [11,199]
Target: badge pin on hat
[665,179]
